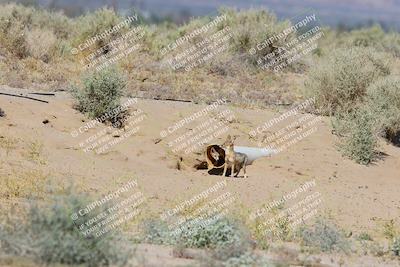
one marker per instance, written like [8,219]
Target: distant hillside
[331,12]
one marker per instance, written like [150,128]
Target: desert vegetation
[101,96]
[46,234]
[342,73]
[353,76]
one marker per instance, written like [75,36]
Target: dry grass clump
[41,44]
[7,143]
[34,153]
[23,184]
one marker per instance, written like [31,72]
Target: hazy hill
[332,12]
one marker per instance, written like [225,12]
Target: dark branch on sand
[24,96]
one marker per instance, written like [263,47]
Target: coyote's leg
[236,175]
[233,169]
[225,168]
[244,168]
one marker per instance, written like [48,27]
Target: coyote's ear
[228,138]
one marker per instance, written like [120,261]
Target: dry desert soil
[36,141]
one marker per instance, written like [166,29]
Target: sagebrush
[323,235]
[340,81]
[358,134]
[50,235]
[101,95]
[384,101]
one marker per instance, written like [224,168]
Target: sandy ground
[357,197]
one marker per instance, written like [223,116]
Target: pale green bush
[101,95]
[228,242]
[374,37]
[50,235]
[396,246]
[27,31]
[384,101]
[217,233]
[340,81]
[156,232]
[323,235]
[96,23]
[359,134]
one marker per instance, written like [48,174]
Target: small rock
[349,234]
[2,113]
[45,121]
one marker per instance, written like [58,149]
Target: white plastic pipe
[254,153]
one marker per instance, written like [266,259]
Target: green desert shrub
[340,81]
[235,257]
[218,233]
[97,23]
[364,236]
[396,246]
[247,28]
[228,243]
[210,233]
[156,232]
[378,116]
[384,100]
[50,235]
[374,37]
[101,95]
[323,235]
[252,27]
[366,37]
[391,43]
[27,31]
[358,134]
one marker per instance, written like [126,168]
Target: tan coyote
[233,160]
